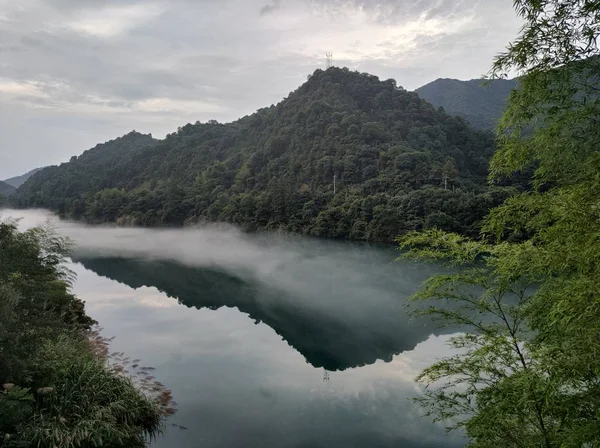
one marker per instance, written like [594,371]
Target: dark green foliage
[6,189]
[58,388]
[478,101]
[100,167]
[17,181]
[527,373]
[388,151]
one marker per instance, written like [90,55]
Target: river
[265,340]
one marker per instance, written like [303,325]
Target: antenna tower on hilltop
[329,58]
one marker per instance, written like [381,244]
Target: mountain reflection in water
[332,330]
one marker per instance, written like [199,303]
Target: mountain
[96,169]
[6,189]
[17,181]
[345,155]
[479,104]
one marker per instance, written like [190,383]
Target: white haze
[317,273]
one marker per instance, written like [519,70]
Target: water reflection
[240,384]
[255,312]
[334,339]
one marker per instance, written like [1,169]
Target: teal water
[265,340]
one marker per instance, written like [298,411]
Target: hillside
[17,181]
[104,166]
[481,105]
[345,155]
[6,189]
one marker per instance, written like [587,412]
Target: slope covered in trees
[98,168]
[6,189]
[17,181]
[58,385]
[345,155]
[480,104]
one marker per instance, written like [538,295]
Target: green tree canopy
[527,372]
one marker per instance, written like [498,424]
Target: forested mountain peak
[348,82]
[341,88]
[92,171]
[479,102]
[130,142]
[344,155]
[482,101]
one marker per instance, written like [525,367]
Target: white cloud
[115,20]
[355,34]
[12,88]
[169,105]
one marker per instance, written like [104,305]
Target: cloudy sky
[77,72]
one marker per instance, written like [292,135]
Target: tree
[59,386]
[449,172]
[528,374]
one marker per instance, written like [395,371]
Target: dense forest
[481,102]
[59,387]
[346,155]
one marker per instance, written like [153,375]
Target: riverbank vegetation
[527,370]
[59,385]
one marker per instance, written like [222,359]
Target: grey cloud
[447,7]
[119,104]
[74,6]
[394,11]
[215,52]
[96,4]
[31,42]
[276,4]
[37,101]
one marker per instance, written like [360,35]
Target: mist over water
[245,327]
[340,278]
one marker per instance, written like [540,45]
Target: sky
[74,73]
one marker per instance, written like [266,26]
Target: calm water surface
[265,341]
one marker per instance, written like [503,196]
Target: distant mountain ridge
[346,155]
[17,181]
[480,104]
[6,189]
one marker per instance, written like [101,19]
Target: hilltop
[345,155]
[478,102]
[17,181]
